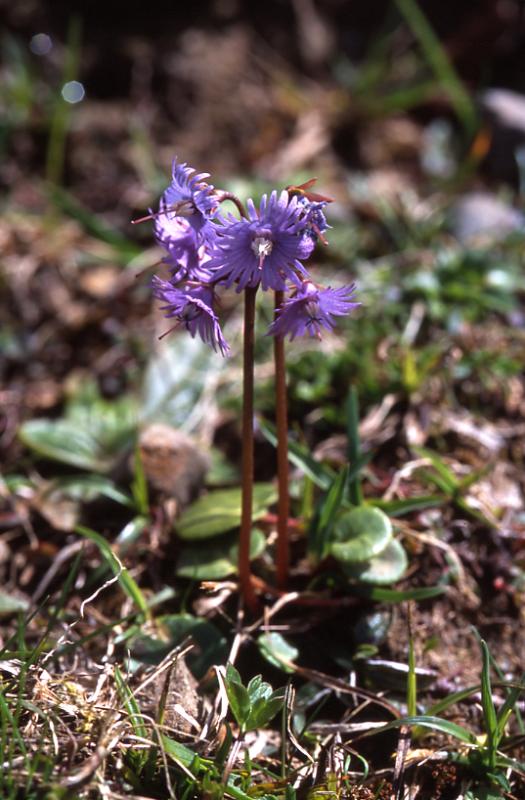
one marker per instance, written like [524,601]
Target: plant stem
[245,578]
[281,413]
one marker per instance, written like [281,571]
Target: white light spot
[73,92]
[41,44]
[262,247]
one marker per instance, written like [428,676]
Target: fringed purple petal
[312,308]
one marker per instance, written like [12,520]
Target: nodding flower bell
[192,306]
[191,198]
[185,257]
[311,308]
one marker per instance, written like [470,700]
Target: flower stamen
[262,247]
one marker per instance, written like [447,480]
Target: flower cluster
[266,246]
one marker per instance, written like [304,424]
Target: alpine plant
[264,246]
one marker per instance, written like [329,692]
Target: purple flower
[192,305]
[189,196]
[314,217]
[312,308]
[266,248]
[186,258]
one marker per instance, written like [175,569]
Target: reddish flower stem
[281,413]
[235,200]
[245,577]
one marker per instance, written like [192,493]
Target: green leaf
[11,605]
[130,534]
[238,698]
[264,709]
[233,674]
[434,724]
[91,435]
[217,559]
[258,688]
[94,224]
[441,65]
[220,511]
[210,645]
[62,440]
[128,584]
[187,758]
[277,650]
[130,703]
[489,709]
[176,377]
[509,706]
[388,567]
[451,700]
[382,595]
[178,752]
[139,486]
[300,457]
[395,508]
[446,481]
[87,488]
[360,534]
[325,516]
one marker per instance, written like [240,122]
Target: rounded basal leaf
[220,511]
[212,561]
[63,440]
[93,433]
[173,629]
[388,567]
[277,650]
[360,535]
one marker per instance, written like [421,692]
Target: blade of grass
[489,710]
[512,693]
[139,487]
[60,120]
[452,699]
[128,584]
[449,482]
[131,705]
[440,63]
[510,706]
[412,676]
[324,519]
[395,508]
[186,758]
[125,248]
[395,595]
[320,474]
[432,723]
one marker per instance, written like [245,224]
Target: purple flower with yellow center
[192,306]
[190,197]
[186,258]
[312,308]
[266,248]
